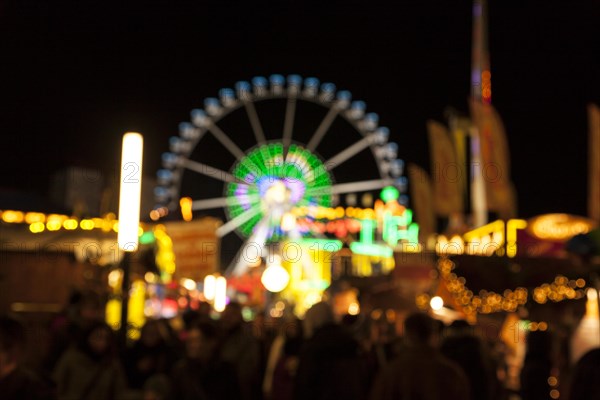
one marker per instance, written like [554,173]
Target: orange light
[154,215]
[186,208]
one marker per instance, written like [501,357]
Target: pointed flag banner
[446,172]
[495,167]
[422,201]
[594,163]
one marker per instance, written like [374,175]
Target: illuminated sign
[493,238]
[559,227]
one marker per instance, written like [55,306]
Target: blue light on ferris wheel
[227,97]
[161,194]
[370,121]
[343,99]
[212,106]
[277,80]
[199,118]
[175,144]
[164,176]
[187,131]
[396,168]
[401,183]
[381,135]
[294,80]
[391,150]
[327,91]
[259,83]
[169,160]
[357,109]
[311,87]
[311,83]
[243,89]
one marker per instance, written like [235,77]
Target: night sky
[76,75]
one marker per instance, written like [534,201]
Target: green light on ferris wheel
[307,183]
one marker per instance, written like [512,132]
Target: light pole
[129,212]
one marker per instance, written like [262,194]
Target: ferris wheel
[280,172]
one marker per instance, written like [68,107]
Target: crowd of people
[318,357]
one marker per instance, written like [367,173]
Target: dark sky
[75,75]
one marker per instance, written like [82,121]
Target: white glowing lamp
[436,303]
[210,283]
[131,190]
[288,222]
[220,294]
[275,278]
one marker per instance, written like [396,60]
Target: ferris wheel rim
[217,109]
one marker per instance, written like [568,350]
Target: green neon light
[330,245]
[376,250]
[313,284]
[367,230]
[147,238]
[389,193]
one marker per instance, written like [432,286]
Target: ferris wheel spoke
[361,186]
[322,129]
[236,222]
[288,124]
[348,153]
[258,240]
[207,204]
[255,122]
[209,171]
[226,141]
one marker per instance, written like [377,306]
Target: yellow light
[115,226]
[552,381]
[220,293]
[591,305]
[186,208]
[542,326]
[53,225]
[555,394]
[353,309]
[32,217]
[559,226]
[12,217]
[130,192]
[496,226]
[86,224]
[113,313]
[436,303]
[511,235]
[149,277]
[210,288]
[114,278]
[70,224]
[98,222]
[37,227]
[135,308]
